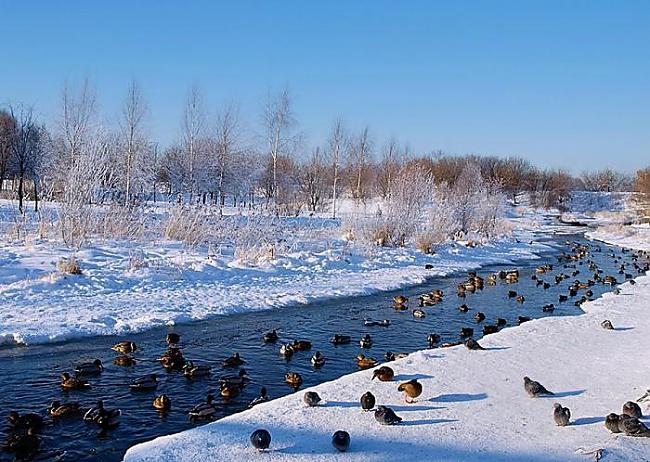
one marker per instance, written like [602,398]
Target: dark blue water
[30,378]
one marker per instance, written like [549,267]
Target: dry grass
[69,265]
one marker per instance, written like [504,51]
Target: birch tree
[227,139]
[337,142]
[133,140]
[193,126]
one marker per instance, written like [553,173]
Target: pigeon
[261,439]
[632,409]
[386,416]
[472,344]
[611,422]
[367,401]
[341,440]
[311,398]
[412,389]
[535,389]
[632,426]
[607,325]
[561,415]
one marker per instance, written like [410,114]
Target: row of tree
[80,161]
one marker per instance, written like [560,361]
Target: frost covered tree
[7,129]
[192,129]
[227,139]
[134,145]
[360,152]
[336,146]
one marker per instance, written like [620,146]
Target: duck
[318,360]
[124,360]
[339,339]
[546,286]
[400,300]
[173,338]
[229,390]
[512,294]
[466,332]
[520,299]
[522,319]
[562,298]
[234,361]
[192,371]
[390,356]
[365,363]
[293,379]
[301,345]
[366,341]
[172,359]
[286,351]
[62,410]
[412,389]
[205,410]
[367,401]
[106,423]
[311,398]
[162,403]
[490,329]
[262,398]
[472,344]
[73,383]
[383,373]
[463,308]
[549,308]
[23,445]
[25,421]
[479,317]
[418,313]
[90,368]
[236,380]
[372,323]
[146,383]
[433,339]
[95,413]
[270,337]
[125,348]
[260,439]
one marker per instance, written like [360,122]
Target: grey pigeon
[386,416]
[367,401]
[535,389]
[261,439]
[632,409]
[607,325]
[633,426]
[611,423]
[561,415]
[472,344]
[311,398]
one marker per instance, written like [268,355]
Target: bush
[68,265]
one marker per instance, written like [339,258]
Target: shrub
[68,265]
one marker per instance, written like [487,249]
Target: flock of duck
[23,439]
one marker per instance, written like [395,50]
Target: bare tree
[606,180]
[7,129]
[26,147]
[278,123]
[337,142]
[134,142]
[388,167]
[193,126]
[227,139]
[360,152]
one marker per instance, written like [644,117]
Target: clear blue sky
[561,83]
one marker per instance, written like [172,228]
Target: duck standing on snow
[412,389]
[311,398]
[383,373]
[472,344]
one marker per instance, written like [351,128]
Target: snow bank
[473,407]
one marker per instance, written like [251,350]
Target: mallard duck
[412,389]
[270,337]
[205,410]
[91,368]
[479,316]
[367,401]
[173,338]
[383,373]
[562,298]
[340,339]
[73,383]
[193,371]
[512,293]
[365,363]
[235,380]
[490,329]
[463,308]
[301,345]
[25,421]
[318,360]
[520,299]
[433,339]
[549,308]
[233,361]
[501,322]
[293,379]
[125,347]
[390,356]
[172,359]
[522,319]
[262,398]
[371,323]
[95,413]
[229,390]
[162,403]
[311,399]
[492,279]
[418,313]
[146,383]
[23,445]
[540,270]
[107,422]
[286,351]
[400,300]
[58,410]
[466,332]
[366,341]
[124,360]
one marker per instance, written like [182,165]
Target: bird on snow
[607,325]
[472,344]
[367,401]
[412,389]
[632,409]
[561,415]
[535,389]
[341,440]
[311,398]
[260,439]
[383,373]
[386,416]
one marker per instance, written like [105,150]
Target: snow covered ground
[131,286]
[473,407]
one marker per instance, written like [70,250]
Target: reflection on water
[31,374]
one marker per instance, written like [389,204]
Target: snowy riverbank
[473,407]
